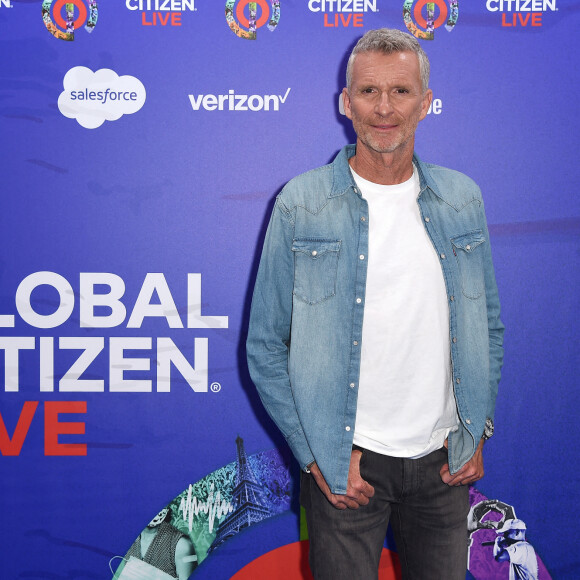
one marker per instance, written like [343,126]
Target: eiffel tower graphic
[248,498]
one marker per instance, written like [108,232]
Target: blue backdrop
[175,182]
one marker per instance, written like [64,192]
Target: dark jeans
[428,517]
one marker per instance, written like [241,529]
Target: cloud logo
[95,97]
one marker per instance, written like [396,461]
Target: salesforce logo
[95,97]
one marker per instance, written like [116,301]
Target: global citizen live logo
[76,15]
[161,12]
[521,13]
[342,13]
[245,23]
[422,18]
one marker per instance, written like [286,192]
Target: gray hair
[387,41]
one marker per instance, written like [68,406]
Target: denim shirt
[304,338]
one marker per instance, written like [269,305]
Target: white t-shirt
[406,406]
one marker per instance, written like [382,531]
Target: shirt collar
[342,179]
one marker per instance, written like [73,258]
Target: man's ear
[427,99]
[346,103]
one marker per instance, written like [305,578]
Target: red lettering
[53,428]
[330,24]
[345,21]
[163,20]
[523,21]
[534,18]
[503,20]
[12,446]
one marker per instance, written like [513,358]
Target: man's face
[386,101]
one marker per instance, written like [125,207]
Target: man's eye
[402,91]
[368,90]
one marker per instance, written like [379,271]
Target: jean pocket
[468,248]
[315,268]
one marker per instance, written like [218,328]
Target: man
[511,546]
[375,340]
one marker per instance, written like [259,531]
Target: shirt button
[361,257]
[355,189]
[468,247]
[363,219]
[443,256]
[454,339]
[468,421]
[355,342]
[314,252]
[452,298]
[427,219]
[358,300]
[457,381]
[351,385]
[347,428]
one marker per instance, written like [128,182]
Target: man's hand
[358,491]
[470,472]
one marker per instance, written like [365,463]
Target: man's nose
[383,105]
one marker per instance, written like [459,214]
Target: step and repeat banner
[142,145]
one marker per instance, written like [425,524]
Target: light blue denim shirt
[304,339]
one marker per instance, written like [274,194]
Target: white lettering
[119,364]
[65,305]
[167,353]
[271,99]
[46,364]
[521,5]
[260,103]
[233,102]
[435,107]
[89,300]
[6,321]
[210,102]
[194,317]
[92,302]
[195,102]
[11,345]
[91,347]
[241,102]
[342,5]
[165,309]
[160,5]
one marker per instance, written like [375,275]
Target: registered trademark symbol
[215,387]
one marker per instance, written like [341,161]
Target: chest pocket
[315,268]
[469,250]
